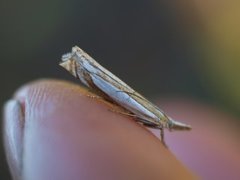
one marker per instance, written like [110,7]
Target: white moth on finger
[110,87]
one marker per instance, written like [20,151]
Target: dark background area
[154,46]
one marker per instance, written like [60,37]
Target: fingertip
[67,134]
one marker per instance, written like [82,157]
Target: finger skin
[211,149]
[13,136]
[68,135]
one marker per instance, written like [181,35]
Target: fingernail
[13,136]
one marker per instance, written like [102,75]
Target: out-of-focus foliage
[221,42]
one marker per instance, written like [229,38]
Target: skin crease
[69,135]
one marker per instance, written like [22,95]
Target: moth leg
[162,137]
[145,123]
[123,112]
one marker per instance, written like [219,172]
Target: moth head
[69,63]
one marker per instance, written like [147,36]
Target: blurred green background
[161,48]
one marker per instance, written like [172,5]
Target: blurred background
[187,48]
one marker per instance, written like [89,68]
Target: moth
[114,90]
